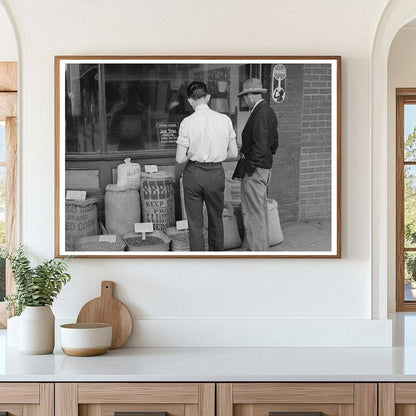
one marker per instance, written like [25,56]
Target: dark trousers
[204,182]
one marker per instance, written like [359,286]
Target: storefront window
[142,104]
[82,104]
[122,107]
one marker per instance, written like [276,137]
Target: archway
[396,14]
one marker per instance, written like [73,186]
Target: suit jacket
[260,138]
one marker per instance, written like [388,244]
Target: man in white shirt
[206,138]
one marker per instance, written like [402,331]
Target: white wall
[401,74]
[211,302]
[8,47]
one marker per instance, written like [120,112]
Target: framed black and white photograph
[147,150]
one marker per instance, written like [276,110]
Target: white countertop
[213,364]
[222,364]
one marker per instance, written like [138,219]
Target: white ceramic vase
[37,330]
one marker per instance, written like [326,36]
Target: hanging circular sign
[279,83]
[278,95]
[279,72]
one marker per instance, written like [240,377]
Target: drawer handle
[296,414]
[138,414]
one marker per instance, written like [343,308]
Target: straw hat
[252,86]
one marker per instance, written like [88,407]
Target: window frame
[403,96]
[8,113]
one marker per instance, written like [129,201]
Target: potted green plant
[36,289]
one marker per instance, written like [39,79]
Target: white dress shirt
[206,134]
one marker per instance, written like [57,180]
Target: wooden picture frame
[110,108]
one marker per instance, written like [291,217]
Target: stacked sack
[122,200]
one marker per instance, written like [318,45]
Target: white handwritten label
[107,238]
[182,225]
[150,168]
[143,227]
[76,195]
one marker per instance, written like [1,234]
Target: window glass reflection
[409,276]
[410,132]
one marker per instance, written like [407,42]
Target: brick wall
[315,147]
[284,186]
[301,172]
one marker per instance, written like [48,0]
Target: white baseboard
[258,332]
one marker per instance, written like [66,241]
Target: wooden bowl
[84,340]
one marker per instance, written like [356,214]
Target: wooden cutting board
[107,309]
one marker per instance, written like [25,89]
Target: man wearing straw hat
[259,144]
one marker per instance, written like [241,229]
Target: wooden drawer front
[332,399]
[405,393]
[265,409]
[293,393]
[27,399]
[138,393]
[19,393]
[397,399]
[110,409]
[12,409]
[104,399]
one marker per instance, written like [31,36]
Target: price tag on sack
[143,228]
[76,195]
[107,238]
[150,168]
[182,225]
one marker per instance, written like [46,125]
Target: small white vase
[37,330]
